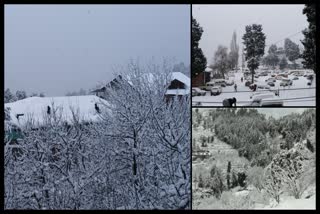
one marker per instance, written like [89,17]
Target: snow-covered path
[228,92]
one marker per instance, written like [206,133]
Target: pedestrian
[241,79]
[235,87]
[229,102]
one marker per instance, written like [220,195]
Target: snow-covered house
[179,86]
[102,92]
[36,108]
[202,78]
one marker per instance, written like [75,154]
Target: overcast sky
[219,22]
[60,48]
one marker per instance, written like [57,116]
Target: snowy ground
[243,98]
[290,203]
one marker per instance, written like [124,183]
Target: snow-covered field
[243,98]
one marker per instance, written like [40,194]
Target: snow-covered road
[243,98]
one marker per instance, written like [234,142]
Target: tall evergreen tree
[292,50]
[228,175]
[221,62]
[309,41]
[234,52]
[283,63]
[199,61]
[254,42]
[272,59]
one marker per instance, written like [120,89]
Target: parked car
[229,82]
[198,92]
[247,84]
[295,78]
[271,79]
[216,90]
[266,99]
[310,77]
[274,92]
[286,82]
[263,86]
[207,86]
[270,83]
[309,82]
[278,77]
[220,82]
[283,75]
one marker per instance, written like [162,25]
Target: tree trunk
[252,72]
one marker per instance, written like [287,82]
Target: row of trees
[136,156]
[291,51]
[261,143]
[19,95]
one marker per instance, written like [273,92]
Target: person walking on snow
[235,87]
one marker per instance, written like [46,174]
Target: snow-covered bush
[293,170]
[137,156]
[216,181]
[255,177]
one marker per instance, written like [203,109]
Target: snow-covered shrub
[255,177]
[216,181]
[137,156]
[230,201]
[291,169]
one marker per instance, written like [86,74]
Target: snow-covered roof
[208,69]
[177,92]
[36,107]
[181,77]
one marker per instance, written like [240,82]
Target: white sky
[57,49]
[219,22]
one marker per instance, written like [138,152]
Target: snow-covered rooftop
[36,107]
[177,92]
[181,77]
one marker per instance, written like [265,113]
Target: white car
[265,99]
[216,90]
[263,86]
[198,92]
[285,82]
[271,79]
[229,82]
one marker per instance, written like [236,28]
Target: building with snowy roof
[35,109]
[179,85]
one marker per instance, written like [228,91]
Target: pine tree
[21,95]
[221,61]
[254,41]
[272,59]
[228,175]
[199,61]
[292,51]
[283,63]
[8,96]
[309,41]
[234,52]
[200,184]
